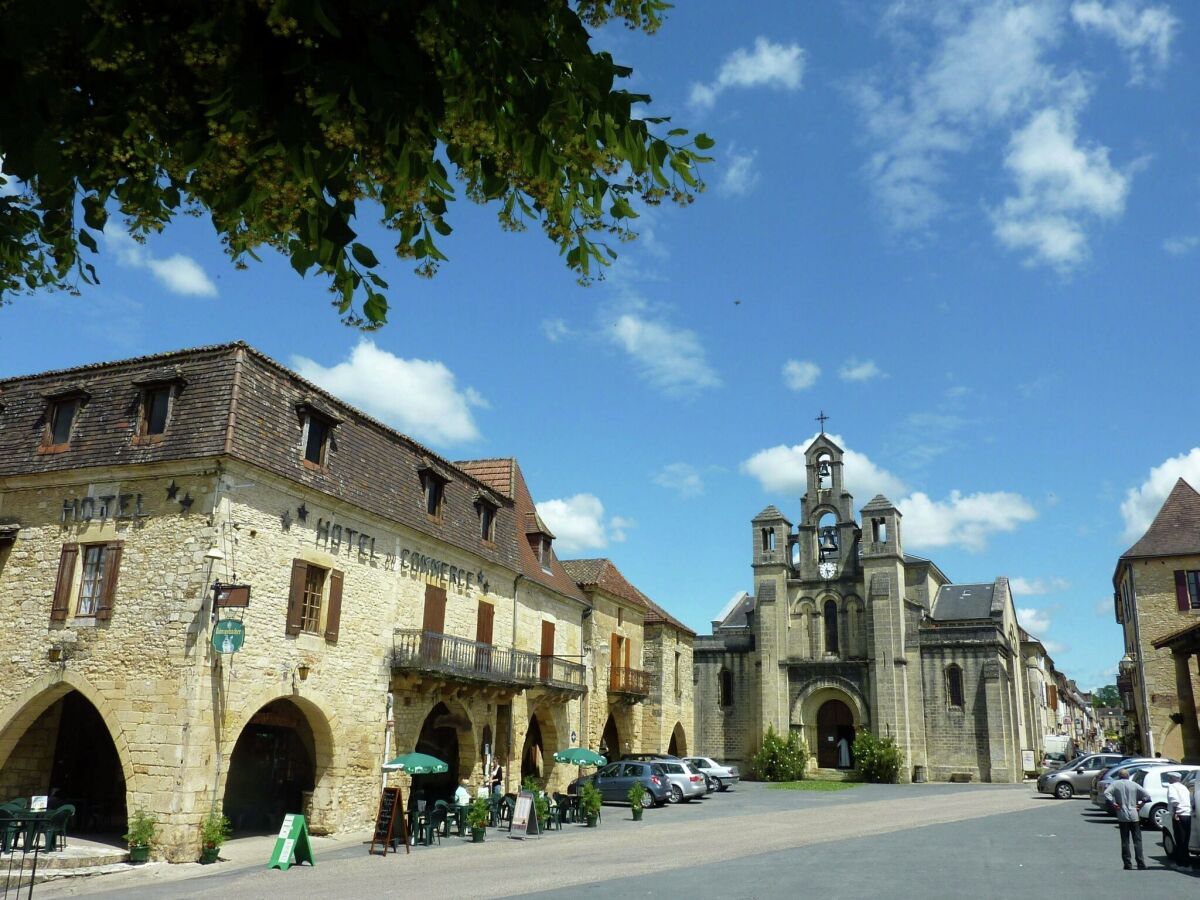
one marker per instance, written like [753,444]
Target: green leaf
[704,142]
[88,241]
[94,213]
[376,308]
[364,256]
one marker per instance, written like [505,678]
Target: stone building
[1156,595]
[373,598]
[845,631]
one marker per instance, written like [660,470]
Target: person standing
[1179,808]
[1125,796]
[496,779]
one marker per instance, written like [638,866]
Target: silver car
[1077,775]
[723,777]
[686,782]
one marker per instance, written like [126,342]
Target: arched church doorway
[439,739]
[68,754]
[610,740]
[272,766]
[835,735]
[678,745]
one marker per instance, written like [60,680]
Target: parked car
[1052,762]
[686,782]
[615,779]
[1154,780]
[1103,779]
[722,776]
[1076,776]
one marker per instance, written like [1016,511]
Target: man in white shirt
[1179,808]
[462,796]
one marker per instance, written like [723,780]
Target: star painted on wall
[172,490]
[186,502]
[302,513]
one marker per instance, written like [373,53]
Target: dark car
[615,780]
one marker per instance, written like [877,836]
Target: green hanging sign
[292,846]
[228,636]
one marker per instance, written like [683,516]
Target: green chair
[508,805]
[434,820]
[55,827]
[9,829]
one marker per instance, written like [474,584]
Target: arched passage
[445,735]
[678,745]
[61,746]
[541,741]
[610,740]
[276,763]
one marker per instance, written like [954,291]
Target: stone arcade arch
[542,738]
[447,733]
[678,745]
[60,739]
[828,694]
[610,739]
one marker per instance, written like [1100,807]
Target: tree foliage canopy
[1106,696]
[280,117]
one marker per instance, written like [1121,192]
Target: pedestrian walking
[1125,796]
[1179,807]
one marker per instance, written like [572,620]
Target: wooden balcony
[634,683]
[459,659]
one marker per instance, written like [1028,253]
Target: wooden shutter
[1181,591]
[435,609]
[628,643]
[112,566]
[547,648]
[295,612]
[483,623]
[614,663]
[333,617]
[62,587]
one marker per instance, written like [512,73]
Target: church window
[824,474]
[768,539]
[726,687]
[954,685]
[831,627]
[879,531]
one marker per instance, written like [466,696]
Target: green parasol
[579,756]
[416,764]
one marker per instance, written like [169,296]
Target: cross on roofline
[822,418]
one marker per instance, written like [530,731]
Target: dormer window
[433,486]
[317,436]
[544,552]
[156,404]
[62,410]
[487,519]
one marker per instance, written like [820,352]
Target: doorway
[439,739]
[533,753]
[835,725]
[270,770]
[610,740]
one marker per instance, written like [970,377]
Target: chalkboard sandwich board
[391,809]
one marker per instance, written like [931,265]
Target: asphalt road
[929,841]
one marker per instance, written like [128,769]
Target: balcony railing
[443,654]
[629,681]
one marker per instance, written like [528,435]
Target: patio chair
[55,827]
[449,816]
[10,829]
[434,820]
[564,809]
[508,805]
[494,809]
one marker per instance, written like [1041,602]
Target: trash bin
[918,775]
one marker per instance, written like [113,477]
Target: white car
[723,777]
[1154,780]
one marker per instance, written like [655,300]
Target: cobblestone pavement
[914,840]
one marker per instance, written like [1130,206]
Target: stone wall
[668,657]
[729,734]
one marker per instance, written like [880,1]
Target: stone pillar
[1187,707]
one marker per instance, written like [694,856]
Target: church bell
[823,470]
[828,542]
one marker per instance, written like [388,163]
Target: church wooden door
[834,722]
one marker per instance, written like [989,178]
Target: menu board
[391,809]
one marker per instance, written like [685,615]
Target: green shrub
[541,804]
[141,829]
[877,759]
[779,758]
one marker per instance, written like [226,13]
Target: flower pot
[592,819]
[477,835]
[208,855]
[637,813]
[138,855]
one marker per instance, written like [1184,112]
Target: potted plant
[214,831]
[636,792]
[541,804]
[590,800]
[140,836]
[478,815]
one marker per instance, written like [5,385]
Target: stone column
[1187,707]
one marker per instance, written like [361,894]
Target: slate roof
[736,611]
[879,502]
[1175,531]
[963,601]
[771,512]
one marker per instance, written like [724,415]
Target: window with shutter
[1187,590]
[65,582]
[310,605]
[547,649]
[333,617]
[483,635]
[108,590]
[433,623]
[296,596]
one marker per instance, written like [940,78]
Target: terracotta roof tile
[495,473]
[1175,531]
[603,574]
[556,578]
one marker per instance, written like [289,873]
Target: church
[844,631]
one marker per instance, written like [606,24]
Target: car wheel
[1158,816]
[648,799]
[1168,843]
[718,784]
[1064,791]
[676,793]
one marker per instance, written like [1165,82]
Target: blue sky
[970,233]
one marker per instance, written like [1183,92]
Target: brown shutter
[295,610]
[112,565]
[333,618]
[628,643]
[483,623]
[547,648]
[435,609]
[614,663]
[62,587]
[1181,592]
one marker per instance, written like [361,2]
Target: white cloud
[1142,503]
[768,64]
[1055,648]
[1030,587]
[1104,608]
[418,397]
[579,524]
[1060,186]
[555,330]
[859,370]
[683,478]
[740,175]
[781,470]
[179,274]
[963,520]
[669,357]
[1035,621]
[800,375]
[1144,34]
[1184,243]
